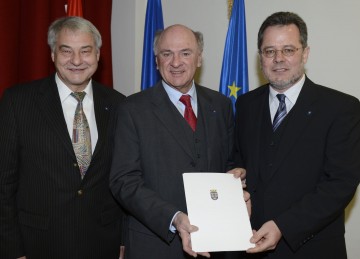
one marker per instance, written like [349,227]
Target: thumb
[257,236]
[193,228]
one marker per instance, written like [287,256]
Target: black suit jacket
[151,153]
[47,211]
[313,172]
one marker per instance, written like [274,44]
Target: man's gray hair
[73,23]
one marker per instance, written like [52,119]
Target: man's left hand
[266,238]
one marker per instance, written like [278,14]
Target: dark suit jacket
[313,173]
[47,211]
[150,155]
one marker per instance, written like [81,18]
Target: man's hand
[266,238]
[239,173]
[183,226]
[247,201]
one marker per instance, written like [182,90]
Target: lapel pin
[309,113]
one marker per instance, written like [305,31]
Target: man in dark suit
[158,138]
[51,207]
[300,145]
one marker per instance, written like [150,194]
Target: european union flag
[234,72]
[153,22]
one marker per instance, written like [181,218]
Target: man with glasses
[300,145]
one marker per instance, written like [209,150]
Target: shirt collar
[291,94]
[64,91]
[175,95]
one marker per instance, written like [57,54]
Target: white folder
[216,205]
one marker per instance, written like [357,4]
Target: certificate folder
[216,205]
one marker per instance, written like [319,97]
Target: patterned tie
[281,111]
[81,138]
[189,113]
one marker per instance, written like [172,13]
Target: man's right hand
[183,226]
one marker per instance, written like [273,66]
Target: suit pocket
[33,220]
[110,215]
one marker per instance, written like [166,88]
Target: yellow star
[233,90]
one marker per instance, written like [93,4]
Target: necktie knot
[281,97]
[185,99]
[79,96]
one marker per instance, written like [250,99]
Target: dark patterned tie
[189,113]
[81,138]
[281,111]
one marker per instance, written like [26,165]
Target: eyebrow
[82,47]
[182,50]
[273,47]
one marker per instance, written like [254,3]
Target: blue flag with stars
[234,72]
[153,22]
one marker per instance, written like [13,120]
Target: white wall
[334,39]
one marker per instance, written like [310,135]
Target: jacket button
[80,192]
[75,164]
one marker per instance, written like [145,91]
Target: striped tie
[281,111]
[81,138]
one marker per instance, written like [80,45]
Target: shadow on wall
[198,74]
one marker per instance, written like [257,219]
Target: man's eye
[165,54]
[269,51]
[288,51]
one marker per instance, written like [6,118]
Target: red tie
[189,113]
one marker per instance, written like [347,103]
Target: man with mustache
[300,145]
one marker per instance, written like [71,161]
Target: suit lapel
[257,111]
[164,112]
[209,117]
[301,115]
[102,110]
[50,106]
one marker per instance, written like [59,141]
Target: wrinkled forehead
[178,37]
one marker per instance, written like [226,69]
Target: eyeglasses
[287,52]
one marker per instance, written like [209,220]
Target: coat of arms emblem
[214,194]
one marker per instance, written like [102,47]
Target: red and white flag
[74,8]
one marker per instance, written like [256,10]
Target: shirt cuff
[171,227]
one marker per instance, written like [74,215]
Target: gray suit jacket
[150,155]
[47,211]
